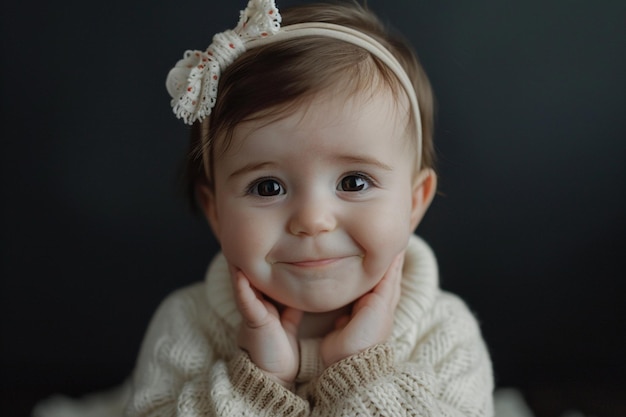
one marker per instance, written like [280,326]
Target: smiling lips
[316,263]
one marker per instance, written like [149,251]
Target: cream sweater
[435,363]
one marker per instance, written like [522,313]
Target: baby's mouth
[317,262]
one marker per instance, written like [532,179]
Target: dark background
[529,228]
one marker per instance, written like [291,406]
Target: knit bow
[192,83]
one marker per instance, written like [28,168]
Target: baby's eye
[354,183]
[266,188]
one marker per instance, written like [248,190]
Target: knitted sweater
[435,363]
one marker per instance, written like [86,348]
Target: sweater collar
[420,283]
[419,288]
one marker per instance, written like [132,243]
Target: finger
[236,273]
[387,286]
[242,283]
[397,285]
[249,301]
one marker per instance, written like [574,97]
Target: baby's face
[314,207]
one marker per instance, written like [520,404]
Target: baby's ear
[424,188]
[206,200]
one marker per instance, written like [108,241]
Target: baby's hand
[269,337]
[370,322]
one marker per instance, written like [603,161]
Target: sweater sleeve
[452,379]
[180,372]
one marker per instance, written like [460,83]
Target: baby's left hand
[370,322]
[267,335]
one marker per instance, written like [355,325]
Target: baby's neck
[316,325]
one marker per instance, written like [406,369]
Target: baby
[312,158]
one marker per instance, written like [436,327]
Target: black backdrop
[529,227]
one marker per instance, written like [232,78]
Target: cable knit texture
[435,363]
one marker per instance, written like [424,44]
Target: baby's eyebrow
[363,160]
[345,159]
[253,166]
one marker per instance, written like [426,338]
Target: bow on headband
[192,83]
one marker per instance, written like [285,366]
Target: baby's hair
[272,80]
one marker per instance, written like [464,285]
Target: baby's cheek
[384,243]
[237,253]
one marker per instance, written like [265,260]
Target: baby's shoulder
[183,308]
[451,312]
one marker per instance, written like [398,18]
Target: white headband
[193,82]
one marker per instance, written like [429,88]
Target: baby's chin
[321,306]
[326,300]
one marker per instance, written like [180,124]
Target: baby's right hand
[269,337]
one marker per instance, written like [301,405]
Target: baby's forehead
[325,123]
[330,108]
[330,128]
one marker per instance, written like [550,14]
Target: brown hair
[270,80]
